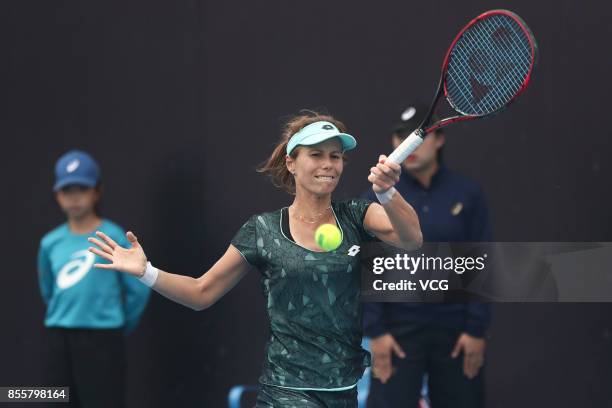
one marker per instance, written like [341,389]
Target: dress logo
[354,250]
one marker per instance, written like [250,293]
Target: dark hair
[275,167]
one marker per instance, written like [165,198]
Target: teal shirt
[81,296]
[312,301]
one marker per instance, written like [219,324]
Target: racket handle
[408,146]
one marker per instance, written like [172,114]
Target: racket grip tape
[408,146]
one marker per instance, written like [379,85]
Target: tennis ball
[328,237]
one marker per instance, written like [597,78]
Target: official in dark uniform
[444,341]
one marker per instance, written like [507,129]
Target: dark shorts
[270,396]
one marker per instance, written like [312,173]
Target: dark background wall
[179,101]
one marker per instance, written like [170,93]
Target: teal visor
[318,132]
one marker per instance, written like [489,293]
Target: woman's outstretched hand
[129,260]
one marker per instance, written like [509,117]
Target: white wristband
[385,197]
[150,275]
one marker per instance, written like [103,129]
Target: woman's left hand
[384,175]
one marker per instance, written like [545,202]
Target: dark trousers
[428,352]
[89,361]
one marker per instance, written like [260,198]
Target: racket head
[489,64]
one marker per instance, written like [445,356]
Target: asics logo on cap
[327,127]
[73,165]
[408,113]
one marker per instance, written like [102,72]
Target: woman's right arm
[45,278]
[195,293]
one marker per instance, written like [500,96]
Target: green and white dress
[312,300]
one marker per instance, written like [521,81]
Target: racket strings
[488,65]
[480,91]
[489,73]
[514,47]
[482,87]
[482,36]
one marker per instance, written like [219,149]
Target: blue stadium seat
[235,394]
[363,386]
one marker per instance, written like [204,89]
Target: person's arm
[373,319]
[479,228]
[394,222]
[136,296]
[203,292]
[478,319]
[471,341]
[382,343]
[195,293]
[45,278]
[383,347]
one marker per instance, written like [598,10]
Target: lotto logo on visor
[327,127]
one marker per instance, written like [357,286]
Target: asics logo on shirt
[457,209]
[354,250]
[75,270]
[73,165]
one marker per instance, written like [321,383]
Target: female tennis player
[314,355]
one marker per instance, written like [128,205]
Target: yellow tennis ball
[328,237]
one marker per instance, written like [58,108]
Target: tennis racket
[488,65]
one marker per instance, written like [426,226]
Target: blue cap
[318,132]
[76,167]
